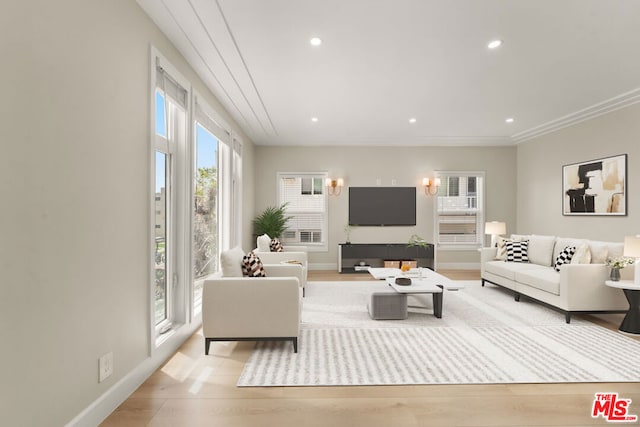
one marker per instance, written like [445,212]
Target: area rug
[483,337]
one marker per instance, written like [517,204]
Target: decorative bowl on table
[403,281]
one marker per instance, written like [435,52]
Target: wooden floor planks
[192,389]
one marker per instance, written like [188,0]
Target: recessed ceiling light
[509,120]
[412,120]
[494,44]
[315,41]
[314,119]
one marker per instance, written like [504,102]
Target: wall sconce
[334,186]
[431,186]
[495,228]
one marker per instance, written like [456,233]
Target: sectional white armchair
[240,308]
[290,254]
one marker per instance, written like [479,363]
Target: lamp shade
[495,227]
[632,246]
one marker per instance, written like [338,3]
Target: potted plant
[272,221]
[616,265]
[418,241]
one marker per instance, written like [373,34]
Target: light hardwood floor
[192,389]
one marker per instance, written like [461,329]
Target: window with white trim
[171,101]
[306,199]
[460,210]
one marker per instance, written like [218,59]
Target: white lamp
[632,250]
[495,228]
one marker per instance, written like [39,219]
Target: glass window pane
[205,221]
[306,186]
[318,185]
[161,238]
[161,118]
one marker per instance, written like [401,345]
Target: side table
[631,322]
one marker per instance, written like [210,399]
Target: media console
[352,255]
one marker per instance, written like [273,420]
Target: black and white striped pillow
[252,266]
[565,256]
[517,251]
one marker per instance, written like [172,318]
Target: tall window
[170,105]
[205,213]
[460,210]
[306,199]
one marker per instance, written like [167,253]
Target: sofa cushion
[263,242]
[582,255]
[231,262]
[508,269]
[599,251]
[563,242]
[517,251]
[545,279]
[564,257]
[540,249]
[501,252]
[252,266]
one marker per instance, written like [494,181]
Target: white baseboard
[458,266]
[104,405]
[323,266]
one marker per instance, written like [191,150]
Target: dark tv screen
[380,206]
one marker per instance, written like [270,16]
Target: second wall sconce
[431,186]
[334,186]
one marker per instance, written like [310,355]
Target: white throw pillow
[263,242]
[231,262]
[582,255]
[501,252]
[540,250]
[599,252]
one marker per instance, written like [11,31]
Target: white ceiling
[384,61]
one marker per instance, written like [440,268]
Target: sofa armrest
[486,255]
[286,270]
[278,257]
[236,307]
[582,285]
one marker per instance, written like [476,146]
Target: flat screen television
[382,206]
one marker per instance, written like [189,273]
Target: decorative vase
[615,274]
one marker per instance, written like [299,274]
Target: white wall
[540,164]
[361,166]
[74,191]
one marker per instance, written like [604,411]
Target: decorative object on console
[334,186]
[632,249]
[347,230]
[564,257]
[416,240]
[495,229]
[596,187]
[272,221]
[431,186]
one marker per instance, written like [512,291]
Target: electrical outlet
[105,367]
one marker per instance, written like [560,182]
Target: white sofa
[236,308]
[576,288]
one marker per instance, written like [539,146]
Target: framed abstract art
[595,187]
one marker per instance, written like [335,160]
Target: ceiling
[383,62]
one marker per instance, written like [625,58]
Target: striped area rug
[484,336]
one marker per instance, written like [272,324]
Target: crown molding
[616,103]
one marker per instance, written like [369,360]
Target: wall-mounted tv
[380,206]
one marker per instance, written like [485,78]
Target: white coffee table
[415,273]
[421,286]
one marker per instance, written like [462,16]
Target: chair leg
[295,345]
[206,346]
[567,317]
